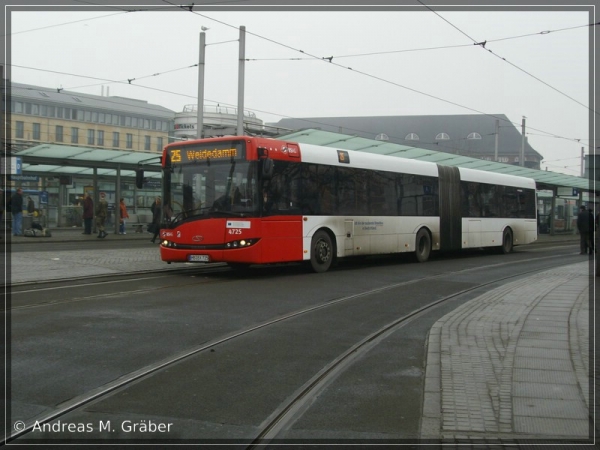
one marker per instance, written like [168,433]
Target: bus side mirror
[139,178]
[267,169]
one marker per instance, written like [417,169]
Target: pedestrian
[88,213]
[123,216]
[16,210]
[1,210]
[583,226]
[592,227]
[101,215]
[155,208]
[30,206]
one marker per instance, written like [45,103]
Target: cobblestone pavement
[44,266]
[513,363]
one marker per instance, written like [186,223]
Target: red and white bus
[248,200]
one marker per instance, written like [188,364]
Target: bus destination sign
[184,155]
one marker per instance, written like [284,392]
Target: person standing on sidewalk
[156,208]
[583,226]
[88,213]
[592,231]
[16,210]
[123,216]
[101,214]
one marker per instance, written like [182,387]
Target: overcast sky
[415,62]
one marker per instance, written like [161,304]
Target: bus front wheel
[507,241]
[423,245]
[321,255]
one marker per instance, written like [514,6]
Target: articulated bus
[248,200]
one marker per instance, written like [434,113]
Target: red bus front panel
[234,240]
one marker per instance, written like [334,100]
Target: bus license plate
[198,258]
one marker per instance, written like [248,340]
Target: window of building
[101,117]
[88,116]
[122,120]
[128,121]
[412,137]
[36,131]
[115,138]
[159,143]
[134,122]
[100,138]
[146,124]
[474,136]
[74,135]
[91,137]
[73,114]
[35,109]
[80,115]
[129,140]
[115,119]
[18,107]
[27,108]
[442,137]
[95,116]
[108,118]
[58,133]
[146,142]
[20,129]
[51,111]
[44,110]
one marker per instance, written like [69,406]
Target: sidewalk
[514,364]
[32,266]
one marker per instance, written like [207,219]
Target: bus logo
[197,238]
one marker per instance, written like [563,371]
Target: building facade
[41,115]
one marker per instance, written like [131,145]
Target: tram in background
[248,200]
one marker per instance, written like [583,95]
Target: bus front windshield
[211,189]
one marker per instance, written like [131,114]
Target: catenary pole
[200,112]
[522,155]
[240,111]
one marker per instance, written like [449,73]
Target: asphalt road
[68,340]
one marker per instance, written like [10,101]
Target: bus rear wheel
[507,241]
[422,245]
[321,255]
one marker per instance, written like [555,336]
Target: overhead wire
[314,57]
[482,44]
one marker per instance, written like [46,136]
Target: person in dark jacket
[583,226]
[156,209]
[30,205]
[101,215]
[592,227]
[16,210]
[88,213]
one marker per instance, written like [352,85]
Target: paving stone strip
[513,363]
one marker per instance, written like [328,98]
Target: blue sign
[19,165]
[44,198]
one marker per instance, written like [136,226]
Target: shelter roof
[64,159]
[544,179]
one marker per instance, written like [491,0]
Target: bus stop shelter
[63,161]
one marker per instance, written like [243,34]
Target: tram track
[285,415]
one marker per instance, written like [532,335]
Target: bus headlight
[241,243]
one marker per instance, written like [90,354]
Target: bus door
[349,239]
